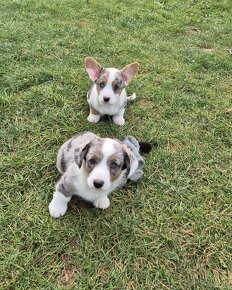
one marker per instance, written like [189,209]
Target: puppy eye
[114,165]
[102,85]
[116,87]
[92,162]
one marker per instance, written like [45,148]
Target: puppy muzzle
[98,183]
[106,99]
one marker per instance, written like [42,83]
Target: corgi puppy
[92,167]
[107,95]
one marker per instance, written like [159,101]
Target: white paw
[132,97]
[57,208]
[119,120]
[93,118]
[102,203]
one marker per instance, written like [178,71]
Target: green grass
[171,230]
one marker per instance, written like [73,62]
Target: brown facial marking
[102,80]
[118,86]
[115,162]
[115,166]
[94,156]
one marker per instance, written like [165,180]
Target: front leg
[61,197]
[118,118]
[102,203]
[94,115]
[59,204]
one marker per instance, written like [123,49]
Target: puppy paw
[57,209]
[102,203]
[119,120]
[93,118]
[131,98]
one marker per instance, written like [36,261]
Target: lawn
[172,229]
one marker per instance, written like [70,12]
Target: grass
[171,230]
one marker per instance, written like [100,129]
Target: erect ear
[129,71]
[93,68]
[80,155]
[126,163]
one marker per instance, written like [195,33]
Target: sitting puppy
[92,167]
[107,95]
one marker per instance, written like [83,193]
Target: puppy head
[105,162]
[110,82]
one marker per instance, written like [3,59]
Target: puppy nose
[106,99]
[98,183]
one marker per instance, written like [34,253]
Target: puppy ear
[126,163]
[93,68]
[80,155]
[129,71]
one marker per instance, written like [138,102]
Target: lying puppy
[107,95]
[92,167]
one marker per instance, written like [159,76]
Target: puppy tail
[131,98]
[145,147]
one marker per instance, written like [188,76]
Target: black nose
[98,183]
[106,99]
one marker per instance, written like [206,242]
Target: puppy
[107,95]
[92,167]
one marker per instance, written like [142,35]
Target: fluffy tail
[145,147]
[131,98]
